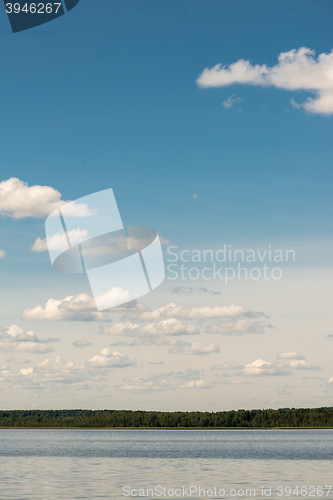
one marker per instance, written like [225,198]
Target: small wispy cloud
[81,343]
[196,348]
[189,290]
[233,99]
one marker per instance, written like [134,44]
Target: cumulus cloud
[173,310]
[259,367]
[18,200]
[239,327]
[170,326]
[61,372]
[228,103]
[73,308]
[81,343]
[196,348]
[2,254]
[295,70]
[106,358]
[16,339]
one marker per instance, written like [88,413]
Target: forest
[249,419]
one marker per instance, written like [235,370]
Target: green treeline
[255,419]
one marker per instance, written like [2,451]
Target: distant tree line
[252,419]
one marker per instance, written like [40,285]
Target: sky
[212,123]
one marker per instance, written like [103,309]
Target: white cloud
[17,340]
[228,103]
[73,308]
[79,210]
[19,201]
[161,382]
[295,70]
[260,367]
[197,348]
[302,364]
[176,346]
[106,358]
[290,355]
[15,334]
[61,372]
[56,242]
[173,310]
[170,326]
[115,295]
[81,343]
[330,381]
[239,327]
[2,254]
[196,384]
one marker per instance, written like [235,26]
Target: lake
[118,464]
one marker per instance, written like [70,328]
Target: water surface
[98,464]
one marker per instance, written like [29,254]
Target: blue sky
[109,97]
[106,96]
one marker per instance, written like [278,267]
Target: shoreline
[167,428]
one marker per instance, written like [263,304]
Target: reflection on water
[97,464]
